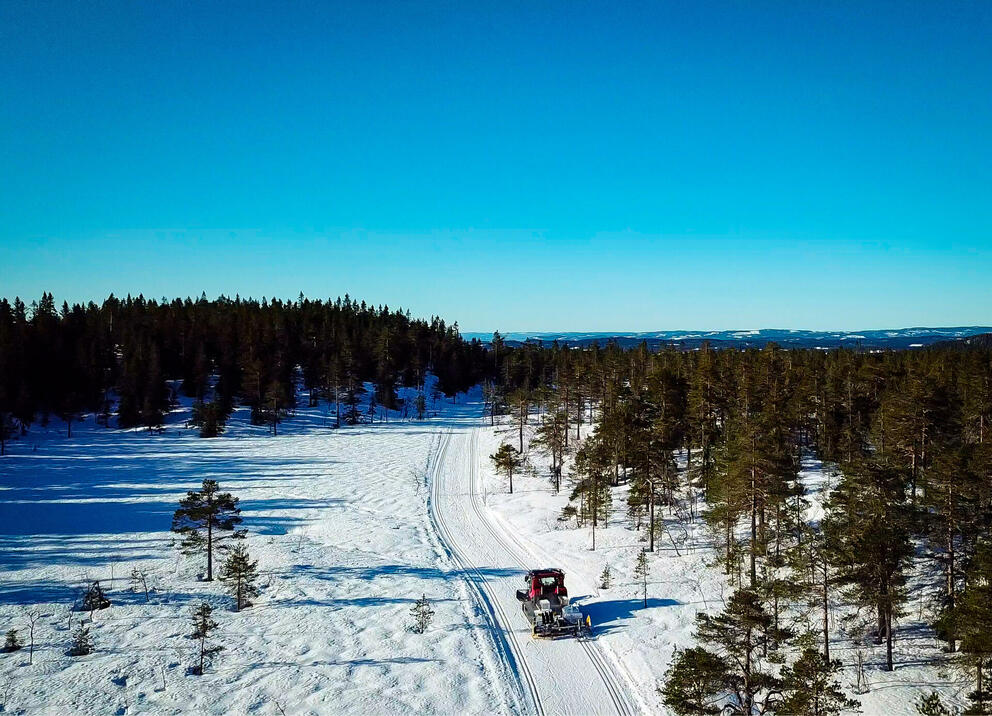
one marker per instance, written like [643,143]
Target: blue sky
[521,166]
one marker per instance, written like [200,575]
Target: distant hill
[982,340]
[687,340]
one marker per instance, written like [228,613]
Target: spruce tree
[12,641]
[931,705]
[203,517]
[240,573]
[82,642]
[605,578]
[422,614]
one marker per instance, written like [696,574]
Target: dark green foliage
[931,705]
[605,578]
[728,667]
[67,362]
[82,642]
[973,616]
[696,682]
[240,573]
[868,535]
[12,641]
[507,461]
[211,417]
[809,687]
[203,518]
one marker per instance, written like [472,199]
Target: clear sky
[511,165]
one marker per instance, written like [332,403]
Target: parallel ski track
[506,640]
[606,673]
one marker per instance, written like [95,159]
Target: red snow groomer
[545,603]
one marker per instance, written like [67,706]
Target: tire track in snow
[617,693]
[506,641]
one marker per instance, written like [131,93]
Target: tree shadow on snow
[392,570]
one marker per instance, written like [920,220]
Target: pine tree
[203,628]
[82,642]
[421,405]
[696,682]
[520,400]
[201,515]
[731,668]
[12,642]
[507,460]
[552,435]
[422,614]
[641,572]
[240,573]
[809,687]
[867,532]
[592,488]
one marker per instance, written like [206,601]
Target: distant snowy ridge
[914,337]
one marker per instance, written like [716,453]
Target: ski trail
[565,676]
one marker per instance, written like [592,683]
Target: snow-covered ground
[339,524]
[351,526]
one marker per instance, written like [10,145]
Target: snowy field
[350,527]
[338,522]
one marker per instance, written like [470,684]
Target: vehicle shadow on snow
[609,616]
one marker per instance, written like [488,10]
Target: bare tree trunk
[826,614]
[210,549]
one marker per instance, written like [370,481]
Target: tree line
[121,359]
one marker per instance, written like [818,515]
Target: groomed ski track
[564,676]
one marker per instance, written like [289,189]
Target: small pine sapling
[12,642]
[422,614]
[240,574]
[641,571]
[606,578]
[203,627]
[82,642]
